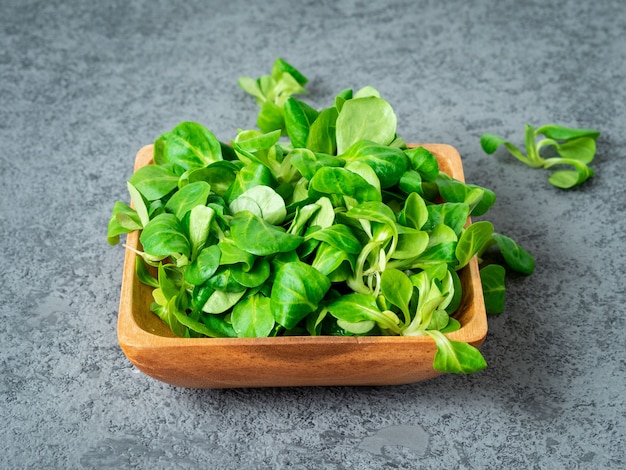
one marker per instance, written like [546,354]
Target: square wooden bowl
[286,361]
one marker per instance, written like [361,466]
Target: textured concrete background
[83,85]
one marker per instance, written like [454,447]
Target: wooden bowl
[286,361]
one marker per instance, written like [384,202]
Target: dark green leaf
[516,257]
[188,197]
[254,235]
[281,66]
[307,162]
[492,280]
[490,142]
[299,117]
[253,174]
[322,134]
[472,241]
[144,276]
[452,214]
[254,276]
[212,326]
[328,258]
[252,317]
[424,162]
[270,118]
[204,266]
[340,236]
[218,326]
[356,308]
[297,291]
[219,175]
[453,190]
[224,281]
[191,145]
[165,236]
[388,163]
[457,295]
[169,313]
[398,290]
[342,182]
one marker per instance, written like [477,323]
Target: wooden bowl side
[285,361]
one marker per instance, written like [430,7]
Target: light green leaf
[356,308]
[269,204]
[472,241]
[124,219]
[557,132]
[220,301]
[454,356]
[139,204]
[200,219]
[582,149]
[154,182]
[398,290]
[357,328]
[369,118]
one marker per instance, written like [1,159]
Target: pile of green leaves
[322,222]
[575,148]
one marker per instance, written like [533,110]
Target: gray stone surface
[83,85]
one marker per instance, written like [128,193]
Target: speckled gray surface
[84,84]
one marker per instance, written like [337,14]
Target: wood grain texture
[286,361]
